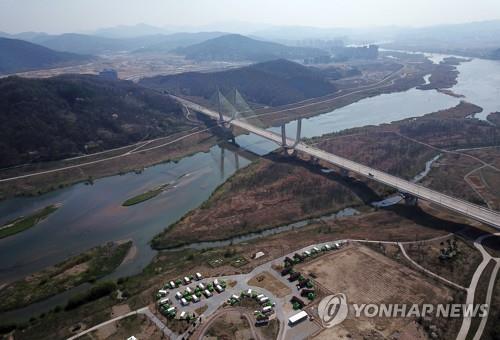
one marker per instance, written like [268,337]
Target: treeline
[273,83]
[50,119]
[100,290]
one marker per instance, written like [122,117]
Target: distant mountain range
[130,31]
[50,119]
[271,83]
[89,44]
[96,45]
[235,47]
[19,55]
[173,41]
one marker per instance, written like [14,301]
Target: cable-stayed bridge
[228,114]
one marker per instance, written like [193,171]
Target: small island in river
[22,223]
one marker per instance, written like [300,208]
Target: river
[92,214]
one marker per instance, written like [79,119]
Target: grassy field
[270,192]
[23,223]
[145,196]
[87,267]
[458,269]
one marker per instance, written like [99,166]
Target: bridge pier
[410,200]
[457,205]
[344,172]
[290,149]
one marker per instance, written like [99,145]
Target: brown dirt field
[269,332]
[230,325]
[138,325]
[119,310]
[366,276]
[267,281]
[362,329]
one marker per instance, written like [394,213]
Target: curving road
[466,323]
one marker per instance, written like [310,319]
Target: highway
[476,212]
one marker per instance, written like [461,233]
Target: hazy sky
[56,16]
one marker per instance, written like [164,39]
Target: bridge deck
[468,209]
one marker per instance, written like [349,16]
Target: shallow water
[92,214]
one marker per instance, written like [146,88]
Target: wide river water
[92,214]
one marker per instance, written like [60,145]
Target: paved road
[282,315]
[159,323]
[465,208]
[136,150]
[466,323]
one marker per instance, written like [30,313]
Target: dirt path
[139,311]
[428,272]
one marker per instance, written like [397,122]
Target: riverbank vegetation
[86,267]
[60,323]
[23,223]
[145,196]
[270,192]
[402,148]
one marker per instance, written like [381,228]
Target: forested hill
[50,119]
[235,47]
[271,83]
[18,55]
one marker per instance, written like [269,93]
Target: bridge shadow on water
[360,189]
[412,213]
[420,217]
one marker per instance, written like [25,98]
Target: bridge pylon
[284,142]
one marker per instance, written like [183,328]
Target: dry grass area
[231,325]
[491,181]
[402,148]
[361,330]
[492,331]
[137,325]
[269,332]
[448,177]
[51,181]
[366,276]
[460,269]
[267,281]
[382,150]
[268,193]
